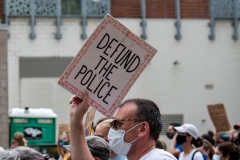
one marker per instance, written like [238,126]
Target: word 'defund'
[121,56]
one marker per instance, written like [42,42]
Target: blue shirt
[179,147]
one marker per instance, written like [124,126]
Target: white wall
[177,89]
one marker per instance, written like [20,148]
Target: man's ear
[96,158]
[144,129]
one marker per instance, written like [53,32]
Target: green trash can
[37,125]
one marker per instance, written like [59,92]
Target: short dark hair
[209,138]
[175,125]
[196,142]
[149,112]
[226,148]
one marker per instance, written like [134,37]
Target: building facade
[197,63]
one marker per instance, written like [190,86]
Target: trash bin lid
[32,113]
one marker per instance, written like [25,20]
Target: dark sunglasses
[115,123]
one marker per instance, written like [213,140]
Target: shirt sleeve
[179,147]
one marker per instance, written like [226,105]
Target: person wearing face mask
[207,150]
[64,140]
[175,149]
[133,132]
[102,130]
[226,151]
[188,136]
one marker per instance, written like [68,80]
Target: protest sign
[219,117]
[88,121]
[107,65]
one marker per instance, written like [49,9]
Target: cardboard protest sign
[62,127]
[88,121]
[107,65]
[219,117]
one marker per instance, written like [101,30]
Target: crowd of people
[133,134]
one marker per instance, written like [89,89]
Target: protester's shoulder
[158,154]
[180,156]
[179,147]
[198,155]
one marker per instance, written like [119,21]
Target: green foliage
[2,21]
[71,7]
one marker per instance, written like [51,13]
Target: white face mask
[216,157]
[116,141]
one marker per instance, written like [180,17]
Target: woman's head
[226,151]
[18,140]
[207,149]
[65,138]
[161,145]
[209,137]
[188,133]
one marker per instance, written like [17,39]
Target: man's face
[127,112]
[170,129]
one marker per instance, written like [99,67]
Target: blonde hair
[61,150]
[105,123]
[19,139]
[208,146]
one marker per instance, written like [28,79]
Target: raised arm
[79,148]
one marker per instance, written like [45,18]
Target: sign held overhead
[107,65]
[219,117]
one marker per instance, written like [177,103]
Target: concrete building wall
[177,89]
[3,87]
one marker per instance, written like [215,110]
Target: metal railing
[224,9]
[177,24]
[218,9]
[58,9]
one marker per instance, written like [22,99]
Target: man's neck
[140,149]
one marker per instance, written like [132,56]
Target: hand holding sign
[107,65]
[78,107]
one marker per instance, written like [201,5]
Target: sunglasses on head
[116,123]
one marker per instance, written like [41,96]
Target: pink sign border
[108,19]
